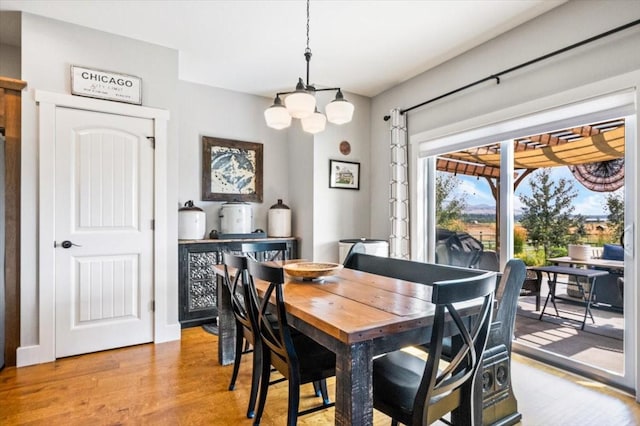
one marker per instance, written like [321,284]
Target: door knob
[67,244]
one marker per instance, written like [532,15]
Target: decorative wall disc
[345,148]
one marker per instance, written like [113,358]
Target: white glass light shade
[277,117]
[339,111]
[300,104]
[314,123]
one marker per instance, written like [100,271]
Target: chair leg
[264,385]
[324,392]
[294,401]
[255,379]
[463,414]
[238,357]
[316,388]
[394,422]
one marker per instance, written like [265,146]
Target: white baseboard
[31,355]
[167,333]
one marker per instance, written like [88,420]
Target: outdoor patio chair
[531,287]
[489,261]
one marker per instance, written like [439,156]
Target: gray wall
[301,172]
[10,44]
[209,111]
[563,26]
[323,215]
[340,213]
[9,61]
[296,165]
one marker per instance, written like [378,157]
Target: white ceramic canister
[192,222]
[236,218]
[279,220]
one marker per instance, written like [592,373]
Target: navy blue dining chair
[297,357]
[415,391]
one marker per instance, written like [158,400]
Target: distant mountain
[480,209]
[489,210]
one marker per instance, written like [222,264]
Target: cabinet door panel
[197,280]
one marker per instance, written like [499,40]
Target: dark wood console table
[197,279]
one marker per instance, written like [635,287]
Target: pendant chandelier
[301,104]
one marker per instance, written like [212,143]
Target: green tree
[547,212]
[449,205]
[615,207]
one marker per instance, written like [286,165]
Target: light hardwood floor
[181,383]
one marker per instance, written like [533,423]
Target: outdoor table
[600,263]
[589,275]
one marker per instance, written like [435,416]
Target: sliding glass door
[535,196]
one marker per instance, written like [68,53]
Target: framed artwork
[344,174]
[231,170]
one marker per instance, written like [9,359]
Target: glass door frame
[575,108]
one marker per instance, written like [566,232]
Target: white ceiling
[257,47]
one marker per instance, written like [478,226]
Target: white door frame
[164,304]
[619,94]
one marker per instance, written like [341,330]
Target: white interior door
[103,231]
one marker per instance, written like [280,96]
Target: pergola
[594,153]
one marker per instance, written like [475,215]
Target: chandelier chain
[301,102]
[308,26]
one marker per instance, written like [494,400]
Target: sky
[587,203]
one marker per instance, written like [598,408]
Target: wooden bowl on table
[308,271]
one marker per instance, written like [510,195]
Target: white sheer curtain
[399,243]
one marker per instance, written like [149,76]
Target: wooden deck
[600,344]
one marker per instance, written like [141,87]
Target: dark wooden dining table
[357,315]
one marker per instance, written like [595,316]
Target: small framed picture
[344,174]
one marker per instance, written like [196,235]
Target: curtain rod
[497,75]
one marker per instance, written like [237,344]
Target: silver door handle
[66,244]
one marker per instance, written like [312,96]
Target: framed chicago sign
[106,85]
